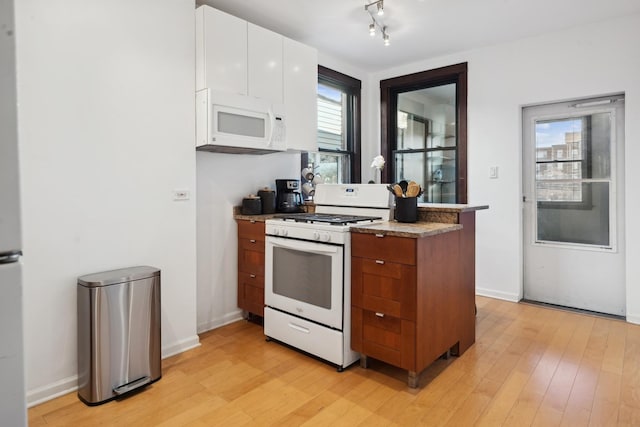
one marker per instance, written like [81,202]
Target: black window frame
[389,90]
[352,87]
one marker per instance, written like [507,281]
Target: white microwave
[239,124]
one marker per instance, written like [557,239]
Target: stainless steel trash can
[118,332]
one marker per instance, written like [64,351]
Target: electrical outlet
[180,194]
[493,172]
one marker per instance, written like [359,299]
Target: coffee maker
[288,197]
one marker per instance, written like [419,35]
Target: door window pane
[582,226]
[573,179]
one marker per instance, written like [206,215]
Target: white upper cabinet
[221,51]
[300,95]
[265,64]
[233,55]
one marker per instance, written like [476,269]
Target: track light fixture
[379,12]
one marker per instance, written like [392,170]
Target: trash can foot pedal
[131,386]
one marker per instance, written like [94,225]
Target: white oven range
[308,270]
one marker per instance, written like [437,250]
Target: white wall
[222,181]
[592,60]
[106,123]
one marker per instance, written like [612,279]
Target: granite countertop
[451,207]
[403,229]
[237,214]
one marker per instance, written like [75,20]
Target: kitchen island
[413,288]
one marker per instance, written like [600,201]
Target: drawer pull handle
[298,328]
[379,261]
[379,314]
[252,240]
[380,235]
[252,221]
[253,276]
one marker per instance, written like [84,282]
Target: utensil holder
[406,209]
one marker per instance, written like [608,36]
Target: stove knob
[326,237]
[316,235]
[276,232]
[284,232]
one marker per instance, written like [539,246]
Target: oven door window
[302,276]
[305,279]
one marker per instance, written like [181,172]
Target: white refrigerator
[13,410]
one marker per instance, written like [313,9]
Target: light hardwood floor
[529,366]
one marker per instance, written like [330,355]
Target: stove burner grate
[333,219]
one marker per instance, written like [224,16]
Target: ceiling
[418,29]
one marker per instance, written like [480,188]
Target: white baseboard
[180,346]
[70,384]
[51,391]
[220,321]
[507,296]
[633,318]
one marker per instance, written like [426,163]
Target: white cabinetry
[300,95]
[265,63]
[221,51]
[233,55]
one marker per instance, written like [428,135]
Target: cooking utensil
[397,190]
[403,185]
[413,189]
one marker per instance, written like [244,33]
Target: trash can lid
[121,275]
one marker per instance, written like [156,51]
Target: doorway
[573,182]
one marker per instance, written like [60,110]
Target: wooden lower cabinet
[251,266]
[407,296]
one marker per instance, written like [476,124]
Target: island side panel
[468,280]
[438,284]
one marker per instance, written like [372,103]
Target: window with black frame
[338,157]
[423,120]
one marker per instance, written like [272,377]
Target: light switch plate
[180,194]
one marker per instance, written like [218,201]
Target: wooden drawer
[251,230]
[251,256]
[387,248]
[251,298]
[384,337]
[384,287]
[251,279]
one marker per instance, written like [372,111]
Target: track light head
[376,19]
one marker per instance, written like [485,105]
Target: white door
[13,406]
[573,156]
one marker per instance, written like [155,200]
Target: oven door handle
[299,245]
